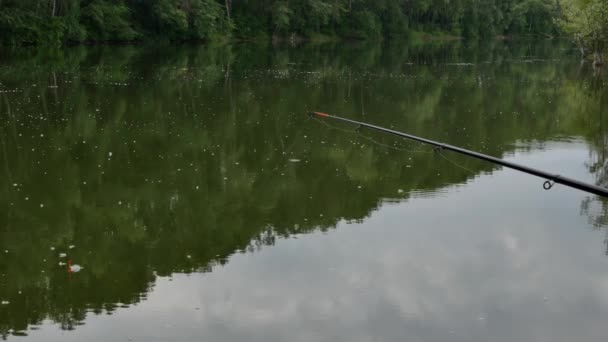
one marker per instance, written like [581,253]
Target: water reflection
[151,162]
[597,208]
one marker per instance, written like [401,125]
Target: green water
[202,203]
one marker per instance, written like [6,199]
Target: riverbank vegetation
[58,22]
[74,21]
[587,22]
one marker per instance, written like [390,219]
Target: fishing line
[454,163]
[357,131]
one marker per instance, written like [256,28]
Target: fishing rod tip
[319,114]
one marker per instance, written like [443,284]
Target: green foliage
[533,16]
[171,18]
[108,21]
[281,16]
[587,21]
[74,31]
[61,21]
[205,18]
[18,26]
[52,31]
[367,24]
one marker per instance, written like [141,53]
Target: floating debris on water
[294,160]
[5,302]
[62,255]
[75,268]
[71,247]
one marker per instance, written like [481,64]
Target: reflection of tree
[160,161]
[597,208]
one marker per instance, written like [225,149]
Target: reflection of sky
[499,259]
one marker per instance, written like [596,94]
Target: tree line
[59,22]
[63,21]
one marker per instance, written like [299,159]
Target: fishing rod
[551,179]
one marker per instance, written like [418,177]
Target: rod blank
[549,177]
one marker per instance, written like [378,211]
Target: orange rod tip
[321,114]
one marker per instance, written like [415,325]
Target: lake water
[202,203]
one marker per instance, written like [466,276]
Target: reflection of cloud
[488,263]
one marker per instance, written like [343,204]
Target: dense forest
[63,21]
[57,22]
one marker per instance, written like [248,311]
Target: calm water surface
[203,204]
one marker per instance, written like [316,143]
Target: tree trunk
[53,7]
[581,47]
[228,8]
